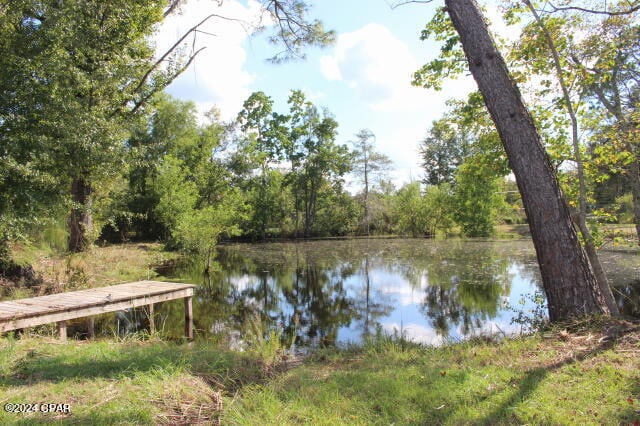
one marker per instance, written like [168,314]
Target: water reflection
[371,303]
[327,292]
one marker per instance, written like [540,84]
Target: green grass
[590,375]
[584,377]
[111,382]
[98,267]
[521,381]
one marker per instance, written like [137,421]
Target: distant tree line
[89,140]
[275,174]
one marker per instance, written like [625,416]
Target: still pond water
[340,291]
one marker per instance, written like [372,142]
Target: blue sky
[364,79]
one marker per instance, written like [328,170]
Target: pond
[340,291]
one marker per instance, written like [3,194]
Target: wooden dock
[62,307]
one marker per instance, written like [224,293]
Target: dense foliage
[578,68]
[274,174]
[86,129]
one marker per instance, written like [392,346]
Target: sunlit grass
[106,265]
[523,381]
[111,382]
[101,266]
[579,377]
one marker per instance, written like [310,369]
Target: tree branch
[632,9]
[293,30]
[171,7]
[175,75]
[400,3]
[169,51]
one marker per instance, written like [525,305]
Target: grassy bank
[100,266]
[586,376]
[587,373]
[561,379]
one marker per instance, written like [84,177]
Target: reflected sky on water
[340,291]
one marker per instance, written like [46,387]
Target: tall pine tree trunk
[80,220]
[568,280]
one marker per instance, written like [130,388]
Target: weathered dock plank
[62,307]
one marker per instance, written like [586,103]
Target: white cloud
[377,65]
[330,68]
[403,292]
[314,95]
[217,76]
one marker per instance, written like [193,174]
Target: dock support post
[152,324]
[188,317]
[62,330]
[91,328]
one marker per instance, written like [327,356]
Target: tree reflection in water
[371,304]
[323,292]
[465,293]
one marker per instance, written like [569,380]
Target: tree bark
[80,219]
[567,277]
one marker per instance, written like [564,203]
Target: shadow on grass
[440,390]
[530,382]
[225,368]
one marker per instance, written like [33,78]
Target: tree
[463,154]
[439,205]
[369,165]
[338,212]
[442,150]
[29,188]
[581,216]
[601,66]
[266,136]
[86,64]
[323,160]
[177,194]
[410,211]
[293,30]
[74,73]
[476,200]
[300,113]
[568,280]
[315,157]
[195,221]
[465,131]
[381,201]
[607,62]
[172,129]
